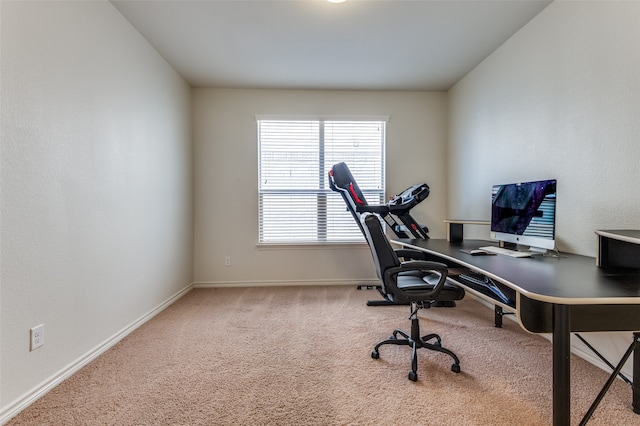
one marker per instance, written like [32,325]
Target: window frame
[322,191]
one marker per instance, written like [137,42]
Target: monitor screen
[524,213]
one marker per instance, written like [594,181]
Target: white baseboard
[10,411]
[219,284]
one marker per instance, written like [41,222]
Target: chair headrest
[341,179]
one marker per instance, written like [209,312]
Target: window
[296,204]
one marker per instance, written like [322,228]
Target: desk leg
[636,374]
[561,366]
[497,316]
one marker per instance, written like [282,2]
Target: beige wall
[96,194]
[97,203]
[226,179]
[560,99]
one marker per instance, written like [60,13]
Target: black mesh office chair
[395,213]
[418,282]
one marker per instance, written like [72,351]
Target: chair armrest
[391,275]
[424,265]
[411,254]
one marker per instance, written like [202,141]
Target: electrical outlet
[37,337]
[227,261]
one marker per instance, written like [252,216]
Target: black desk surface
[556,295]
[569,279]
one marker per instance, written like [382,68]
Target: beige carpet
[301,356]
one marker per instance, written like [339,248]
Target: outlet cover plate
[37,337]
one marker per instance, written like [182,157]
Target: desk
[553,295]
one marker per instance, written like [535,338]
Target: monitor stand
[537,250]
[530,250]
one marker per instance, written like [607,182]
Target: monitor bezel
[539,244]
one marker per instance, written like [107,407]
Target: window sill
[312,246]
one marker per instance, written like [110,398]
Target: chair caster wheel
[413,376]
[455,368]
[375,354]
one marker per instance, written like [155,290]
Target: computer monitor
[525,213]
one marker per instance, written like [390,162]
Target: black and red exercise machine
[396,212]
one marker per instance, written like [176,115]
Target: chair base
[415,341]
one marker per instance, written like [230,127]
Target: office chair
[395,213]
[419,282]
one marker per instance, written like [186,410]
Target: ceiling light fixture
[336,1]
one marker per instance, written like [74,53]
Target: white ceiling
[314,44]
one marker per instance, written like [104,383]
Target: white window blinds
[296,204]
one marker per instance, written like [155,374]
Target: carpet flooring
[302,356]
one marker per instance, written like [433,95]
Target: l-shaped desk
[557,295]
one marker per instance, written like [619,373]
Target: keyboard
[506,252]
[485,285]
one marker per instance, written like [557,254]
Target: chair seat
[410,283]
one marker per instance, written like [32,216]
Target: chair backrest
[384,257]
[341,180]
